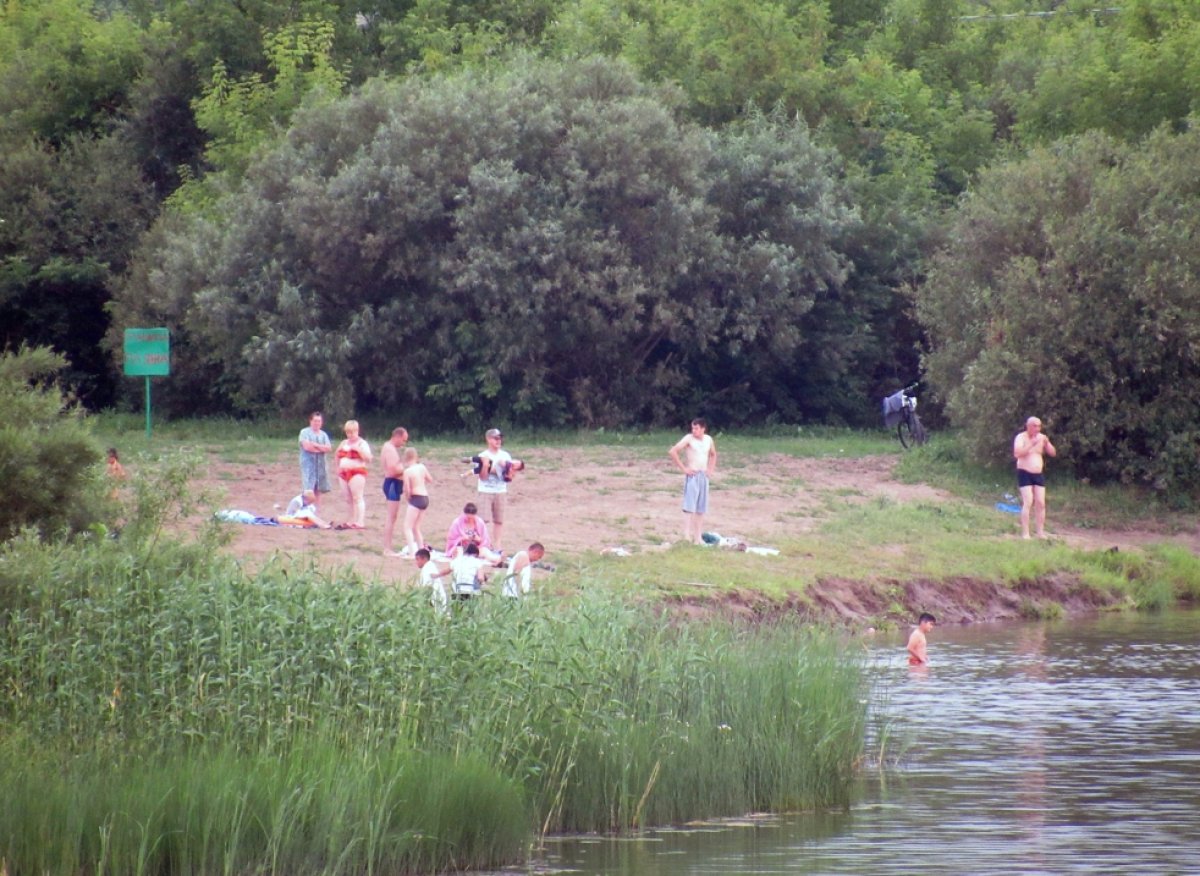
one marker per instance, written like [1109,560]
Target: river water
[1068,747]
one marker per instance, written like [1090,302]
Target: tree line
[605,212]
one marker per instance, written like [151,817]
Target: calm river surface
[1069,747]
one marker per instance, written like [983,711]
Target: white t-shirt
[300,509]
[494,482]
[430,578]
[464,571]
[517,585]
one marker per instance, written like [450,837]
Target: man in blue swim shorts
[393,483]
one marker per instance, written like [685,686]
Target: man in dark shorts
[1030,448]
[393,483]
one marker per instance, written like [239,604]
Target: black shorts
[419,502]
[1029,479]
[392,488]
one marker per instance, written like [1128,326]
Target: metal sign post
[147,354]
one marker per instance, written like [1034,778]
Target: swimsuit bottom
[419,502]
[347,473]
[1030,479]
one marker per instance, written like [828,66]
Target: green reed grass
[313,809]
[154,678]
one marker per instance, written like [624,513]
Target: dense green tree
[64,69]
[546,245]
[242,116]
[725,55]
[1140,69]
[1068,290]
[792,332]
[72,197]
[68,219]
[438,35]
[157,127]
[49,461]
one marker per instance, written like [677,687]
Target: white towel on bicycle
[893,408]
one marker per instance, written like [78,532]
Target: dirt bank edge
[959,600]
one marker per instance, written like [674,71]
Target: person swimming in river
[917,655]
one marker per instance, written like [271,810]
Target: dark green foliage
[1125,74]
[791,330]
[549,245]
[71,215]
[63,69]
[1068,290]
[915,95]
[158,129]
[48,459]
[72,201]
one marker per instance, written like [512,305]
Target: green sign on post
[147,354]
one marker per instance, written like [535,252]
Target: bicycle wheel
[910,431]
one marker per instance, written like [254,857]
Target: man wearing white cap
[496,469]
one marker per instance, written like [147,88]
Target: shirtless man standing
[393,483]
[1030,449]
[698,464]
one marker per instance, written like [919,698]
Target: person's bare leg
[358,485]
[389,527]
[1039,511]
[697,529]
[420,539]
[349,494]
[410,538]
[1026,507]
[495,530]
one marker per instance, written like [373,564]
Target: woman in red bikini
[353,456]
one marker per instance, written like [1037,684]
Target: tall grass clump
[194,718]
[1180,567]
[719,723]
[315,809]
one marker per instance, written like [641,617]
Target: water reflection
[1043,748]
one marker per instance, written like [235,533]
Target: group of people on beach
[471,552]
[404,476]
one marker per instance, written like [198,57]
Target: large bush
[550,245]
[1068,289]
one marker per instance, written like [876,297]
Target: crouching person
[431,577]
[518,579]
[468,573]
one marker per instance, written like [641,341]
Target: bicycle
[900,410]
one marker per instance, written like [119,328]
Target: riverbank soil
[581,500]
